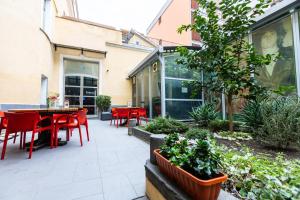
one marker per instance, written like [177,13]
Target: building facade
[47,49]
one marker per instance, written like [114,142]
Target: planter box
[105,116]
[141,134]
[195,187]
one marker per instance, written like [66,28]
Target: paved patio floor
[110,167]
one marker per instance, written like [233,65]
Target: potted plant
[103,103]
[193,164]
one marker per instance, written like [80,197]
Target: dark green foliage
[199,157]
[196,133]
[280,122]
[259,177]
[251,115]
[227,59]
[103,102]
[204,114]
[166,126]
[222,125]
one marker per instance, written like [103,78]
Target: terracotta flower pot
[193,186]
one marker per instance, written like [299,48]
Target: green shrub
[280,122]
[251,115]
[103,102]
[196,133]
[260,177]
[199,157]
[223,125]
[235,135]
[204,114]
[166,126]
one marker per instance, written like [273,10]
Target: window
[46,21]
[273,39]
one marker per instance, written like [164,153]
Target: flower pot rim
[212,181]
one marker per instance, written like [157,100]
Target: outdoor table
[45,137]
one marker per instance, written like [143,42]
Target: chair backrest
[142,111]
[82,116]
[1,114]
[122,112]
[19,122]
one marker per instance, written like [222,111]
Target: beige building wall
[165,27]
[25,52]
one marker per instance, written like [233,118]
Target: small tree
[227,59]
[103,102]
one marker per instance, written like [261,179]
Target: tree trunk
[230,112]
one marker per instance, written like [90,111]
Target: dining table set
[43,122]
[126,113]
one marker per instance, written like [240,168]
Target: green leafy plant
[198,157]
[162,125]
[103,102]
[260,177]
[234,135]
[202,115]
[280,122]
[222,125]
[196,133]
[251,115]
[227,59]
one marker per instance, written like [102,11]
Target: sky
[126,14]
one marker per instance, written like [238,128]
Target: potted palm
[193,164]
[103,103]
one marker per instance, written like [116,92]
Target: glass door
[81,84]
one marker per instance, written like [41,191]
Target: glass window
[73,91]
[175,109]
[90,82]
[72,80]
[88,100]
[81,67]
[134,91]
[146,88]
[74,101]
[90,91]
[178,89]
[273,39]
[174,70]
[139,92]
[155,89]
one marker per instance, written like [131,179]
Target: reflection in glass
[174,70]
[139,90]
[155,89]
[72,80]
[74,91]
[273,39]
[88,100]
[175,109]
[146,89]
[90,91]
[81,67]
[178,89]
[91,110]
[74,101]
[91,82]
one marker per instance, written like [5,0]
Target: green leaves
[204,114]
[162,125]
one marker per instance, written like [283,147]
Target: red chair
[142,113]
[24,122]
[114,116]
[134,113]
[123,113]
[72,121]
[3,122]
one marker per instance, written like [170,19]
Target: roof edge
[159,14]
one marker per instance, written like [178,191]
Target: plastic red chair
[24,122]
[3,121]
[72,121]
[142,113]
[114,116]
[134,113]
[123,113]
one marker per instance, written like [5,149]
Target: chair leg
[21,141]
[80,136]
[117,122]
[15,138]
[56,136]
[87,131]
[31,145]
[24,140]
[4,145]
[68,134]
[111,121]
[52,138]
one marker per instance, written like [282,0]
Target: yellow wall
[177,14]
[141,41]
[118,63]
[25,52]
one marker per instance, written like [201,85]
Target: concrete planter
[141,134]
